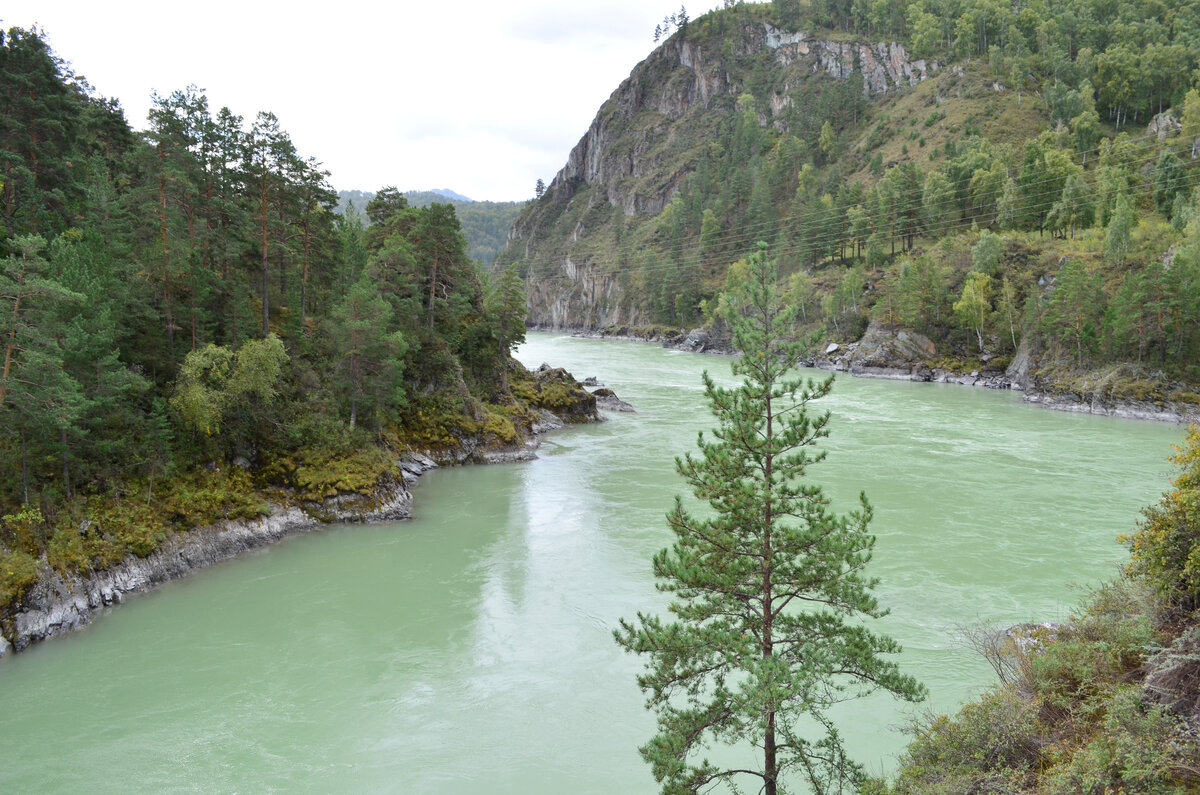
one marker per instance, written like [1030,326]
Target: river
[470,650]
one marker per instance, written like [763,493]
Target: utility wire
[1035,202]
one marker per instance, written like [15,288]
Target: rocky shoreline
[57,605]
[901,355]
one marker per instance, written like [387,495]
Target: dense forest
[190,330]
[1026,192]
[484,224]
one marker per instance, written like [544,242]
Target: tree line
[183,297]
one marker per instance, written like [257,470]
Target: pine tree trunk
[11,346]
[770,760]
[24,472]
[433,284]
[166,261]
[62,438]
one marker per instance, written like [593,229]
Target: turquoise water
[470,651]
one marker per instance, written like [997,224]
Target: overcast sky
[479,96]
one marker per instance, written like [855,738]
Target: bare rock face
[608,400]
[697,78]
[885,352]
[626,158]
[1164,125]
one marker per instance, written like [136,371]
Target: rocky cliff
[651,134]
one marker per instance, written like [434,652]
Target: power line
[1034,203]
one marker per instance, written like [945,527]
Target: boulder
[557,391]
[886,348]
[608,400]
[1164,125]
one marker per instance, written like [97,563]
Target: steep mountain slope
[976,196]
[672,117]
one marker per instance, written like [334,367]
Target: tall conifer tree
[769,588]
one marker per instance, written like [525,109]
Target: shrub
[1135,752]
[1165,549]
[329,474]
[992,745]
[66,551]
[22,531]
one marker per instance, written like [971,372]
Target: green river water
[470,650]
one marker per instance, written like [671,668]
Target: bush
[1108,645]
[1134,753]
[23,531]
[992,745]
[329,474]
[1165,549]
[66,551]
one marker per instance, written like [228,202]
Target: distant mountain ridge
[449,194]
[1034,206]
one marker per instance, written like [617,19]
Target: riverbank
[60,603]
[57,605]
[901,355]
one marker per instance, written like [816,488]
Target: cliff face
[647,138]
[697,80]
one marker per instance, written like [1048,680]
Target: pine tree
[370,355]
[770,592]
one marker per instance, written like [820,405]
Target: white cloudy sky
[483,97]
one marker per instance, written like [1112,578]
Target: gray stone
[608,400]
[1164,125]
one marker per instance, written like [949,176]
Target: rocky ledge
[57,605]
[606,398]
[899,354]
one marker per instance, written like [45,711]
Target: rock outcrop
[647,138]
[903,355]
[608,400]
[697,79]
[57,605]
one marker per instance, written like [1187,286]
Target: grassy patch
[328,474]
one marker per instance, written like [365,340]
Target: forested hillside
[190,331]
[999,181]
[484,224]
